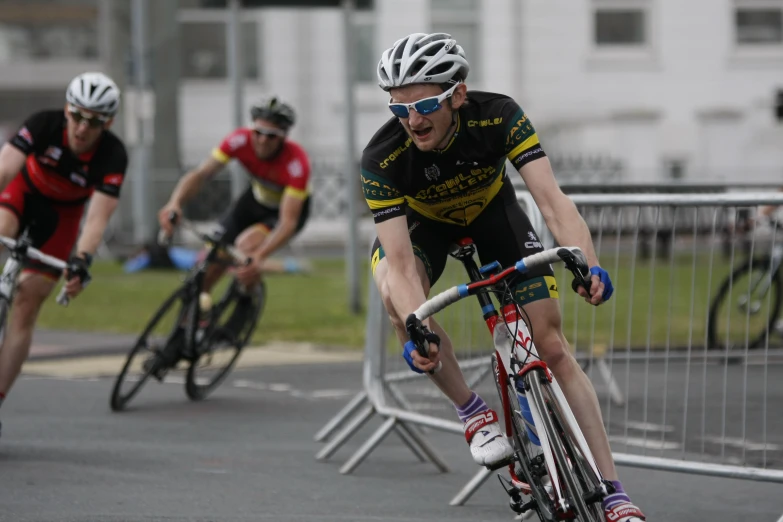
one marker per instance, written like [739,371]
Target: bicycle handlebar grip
[437,303]
[163,237]
[62,298]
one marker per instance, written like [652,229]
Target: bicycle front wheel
[5,307]
[578,489]
[746,306]
[153,353]
[235,320]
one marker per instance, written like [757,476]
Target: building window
[204,49]
[624,24]
[365,55]
[460,19]
[759,22]
[53,30]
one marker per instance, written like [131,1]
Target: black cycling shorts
[247,212]
[502,232]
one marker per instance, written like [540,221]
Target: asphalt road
[247,454]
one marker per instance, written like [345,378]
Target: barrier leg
[410,442]
[346,433]
[471,487]
[335,422]
[375,439]
[614,390]
[422,444]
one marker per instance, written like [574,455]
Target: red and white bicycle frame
[501,327]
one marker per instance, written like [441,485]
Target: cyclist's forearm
[406,292]
[569,229]
[187,187]
[100,211]
[276,238]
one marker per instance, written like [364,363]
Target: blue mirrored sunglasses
[425,106]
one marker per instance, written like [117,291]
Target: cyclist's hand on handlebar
[248,274]
[601,288]
[77,275]
[429,363]
[165,214]
[422,352]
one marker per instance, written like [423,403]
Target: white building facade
[653,90]
[665,89]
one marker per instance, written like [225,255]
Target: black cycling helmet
[275,111]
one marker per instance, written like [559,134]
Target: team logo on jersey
[54,152]
[432,173]
[78,179]
[25,135]
[295,168]
[236,141]
[113,179]
[534,242]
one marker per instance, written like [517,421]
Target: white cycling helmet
[94,91]
[422,58]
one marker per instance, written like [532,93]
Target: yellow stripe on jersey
[375,205]
[462,209]
[295,192]
[221,156]
[519,149]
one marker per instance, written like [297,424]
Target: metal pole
[141,214]
[351,174]
[236,75]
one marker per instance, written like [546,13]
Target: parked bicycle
[188,327]
[21,252]
[553,472]
[747,305]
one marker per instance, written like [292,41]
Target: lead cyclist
[435,172]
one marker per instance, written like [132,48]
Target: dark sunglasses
[259,131]
[425,106]
[92,121]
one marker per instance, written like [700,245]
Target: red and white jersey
[286,173]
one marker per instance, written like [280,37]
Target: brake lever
[413,326]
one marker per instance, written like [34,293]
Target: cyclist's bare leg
[33,289]
[449,379]
[552,346]
[251,239]
[248,241]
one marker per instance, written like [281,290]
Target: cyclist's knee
[251,238]
[30,295]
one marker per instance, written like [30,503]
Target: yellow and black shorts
[502,232]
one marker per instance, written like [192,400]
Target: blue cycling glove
[406,353]
[604,277]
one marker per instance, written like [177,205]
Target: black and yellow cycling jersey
[455,184]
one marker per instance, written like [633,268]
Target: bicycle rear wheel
[749,310]
[152,353]
[564,452]
[234,321]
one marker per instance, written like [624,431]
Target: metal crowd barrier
[673,397]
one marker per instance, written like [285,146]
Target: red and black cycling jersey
[58,174]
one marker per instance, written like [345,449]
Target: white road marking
[647,426]
[736,442]
[645,443]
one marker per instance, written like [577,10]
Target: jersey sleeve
[385,200]
[114,173]
[521,140]
[31,135]
[230,145]
[298,170]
